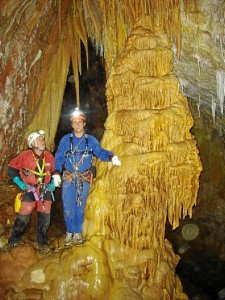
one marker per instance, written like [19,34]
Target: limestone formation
[148,127]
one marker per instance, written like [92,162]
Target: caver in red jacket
[30,167]
[35,171]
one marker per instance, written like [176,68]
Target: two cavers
[37,173]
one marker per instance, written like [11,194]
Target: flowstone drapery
[149,129]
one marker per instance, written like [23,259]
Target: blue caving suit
[75,155]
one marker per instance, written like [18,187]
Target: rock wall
[31,66]
[149,124]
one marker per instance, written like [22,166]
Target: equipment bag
[17,202]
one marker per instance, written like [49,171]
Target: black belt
[79,152]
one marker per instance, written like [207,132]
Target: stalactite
[220,80]
[83,32]
[94,13]
[213,107]
[37,57]
[74,44]
[198,105]
[59,15]
[163,14]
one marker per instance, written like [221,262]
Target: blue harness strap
[85,152]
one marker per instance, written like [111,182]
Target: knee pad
[21,223]
[43,221]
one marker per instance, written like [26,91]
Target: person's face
[39,143]
[78,125]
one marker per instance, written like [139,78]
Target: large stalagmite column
[149,129]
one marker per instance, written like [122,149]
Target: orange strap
[86,176]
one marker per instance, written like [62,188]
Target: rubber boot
[43,225]
[19,228]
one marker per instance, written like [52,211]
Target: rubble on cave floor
[15,262]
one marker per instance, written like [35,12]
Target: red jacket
[26,163]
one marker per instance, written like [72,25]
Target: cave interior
[151,82]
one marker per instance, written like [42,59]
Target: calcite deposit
[148,126]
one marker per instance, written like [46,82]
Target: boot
[68,239]
[78,239]
[19,228]
[43,225]
[9,246]
[44,249]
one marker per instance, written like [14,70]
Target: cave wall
[31,70]
[167,150]
[32,34]
[126,252]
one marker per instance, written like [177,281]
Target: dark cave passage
[201,269]
[92,96]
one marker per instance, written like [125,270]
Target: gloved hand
[51,185]
[116,161]
[22,185]
[57,180]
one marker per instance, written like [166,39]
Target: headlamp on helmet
[33,137]
[77,115]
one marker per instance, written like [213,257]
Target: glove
[116,161]
[51,185]
[57,180]
[22,185]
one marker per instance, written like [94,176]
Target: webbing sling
[41,170]
[75,150]
[76,177]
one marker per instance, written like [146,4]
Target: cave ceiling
[39,38]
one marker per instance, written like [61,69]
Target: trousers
[73,214]
[23,218]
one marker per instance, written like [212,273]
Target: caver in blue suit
[77,159]
[74,157]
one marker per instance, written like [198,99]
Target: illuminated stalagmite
[149,128]
[126,255]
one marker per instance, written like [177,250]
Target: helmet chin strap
[36,148]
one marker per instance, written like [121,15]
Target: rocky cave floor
[201,267]
[56,234]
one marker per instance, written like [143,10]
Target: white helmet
[33,137]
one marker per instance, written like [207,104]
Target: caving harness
[76,177]
[39,173]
